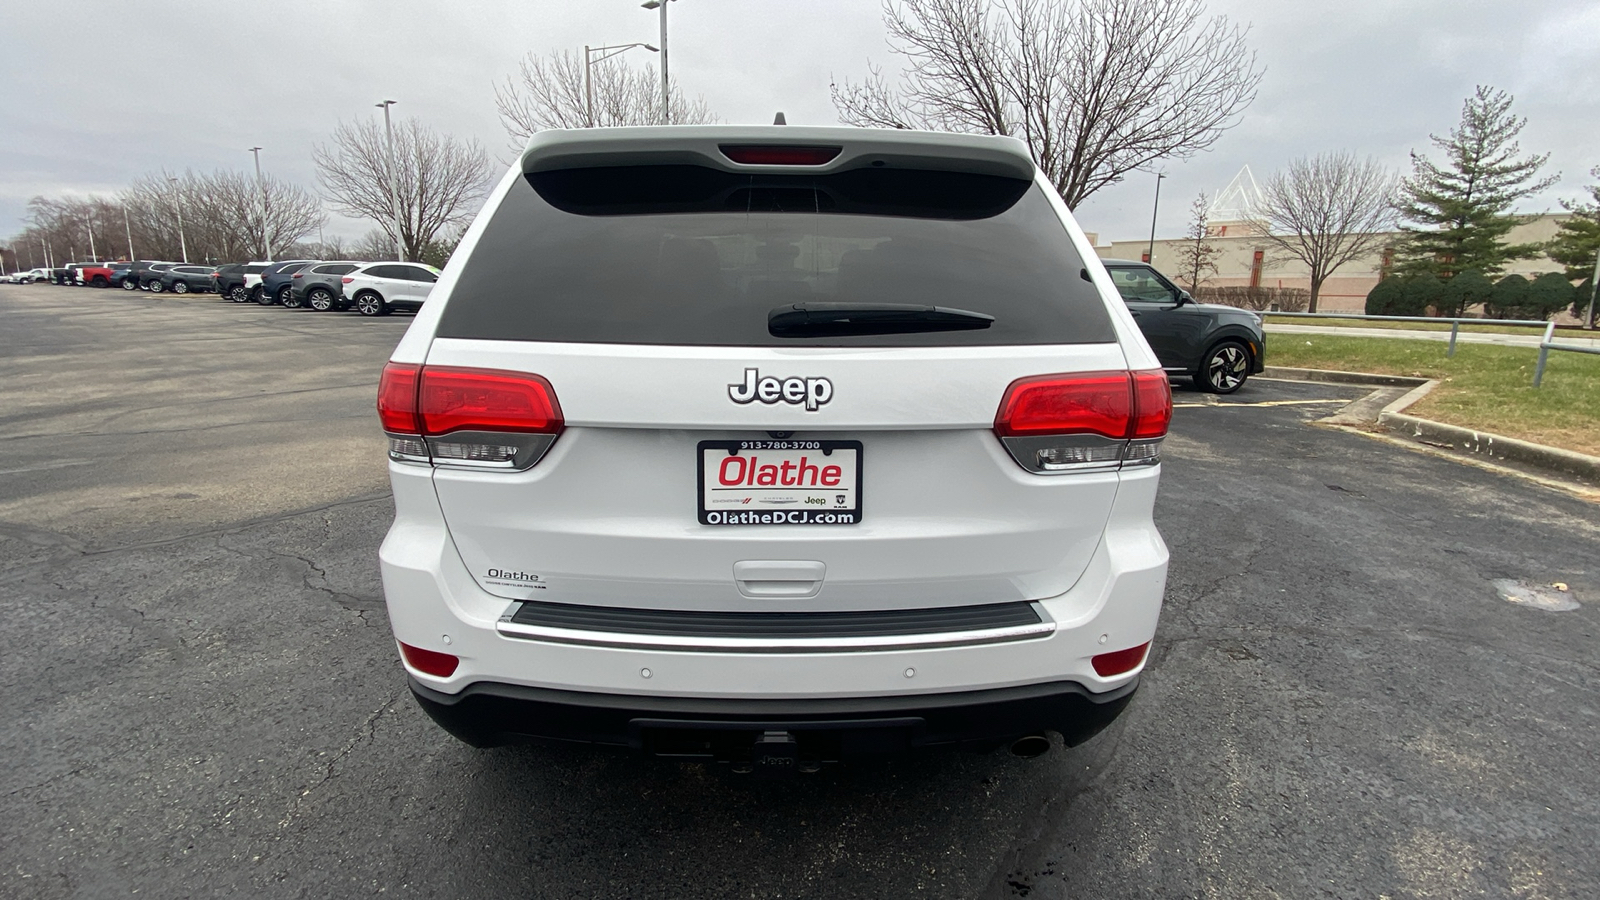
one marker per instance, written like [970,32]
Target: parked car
[185,279]
[149,278]
[376,289]
[1220,347]
[234,281]
[97,274]
[276,278]
[627,445]
[319,287]
[29,276]
[68,274]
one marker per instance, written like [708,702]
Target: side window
[344,269]
[1141,284]
[417,273]
[382,271]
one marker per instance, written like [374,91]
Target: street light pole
[129,229]
[666,90]
[589,60]
[89,226]
[266,242]
[183,243]
[394,179]
[1153,210]
[1594,285]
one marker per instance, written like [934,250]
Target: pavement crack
[364,733]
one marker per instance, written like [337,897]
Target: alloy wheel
[1227,368]
[320,300]
[368,305]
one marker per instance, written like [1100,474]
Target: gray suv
[1218,346]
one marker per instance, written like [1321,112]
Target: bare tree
[1197,256]
[440,179]
[548,92]
[221,213]
[1327,210]
[1097,88]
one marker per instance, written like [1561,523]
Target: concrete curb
[1451,437]
[1337,377]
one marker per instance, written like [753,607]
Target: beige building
[1246,259]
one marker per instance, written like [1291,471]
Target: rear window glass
[689,255]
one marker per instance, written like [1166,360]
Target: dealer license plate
[777,482]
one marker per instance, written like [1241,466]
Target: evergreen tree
[1578,242]
[1460,210]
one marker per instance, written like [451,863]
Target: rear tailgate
[641,274]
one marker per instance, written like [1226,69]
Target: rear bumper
[487,714]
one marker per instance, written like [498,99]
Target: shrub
[1422,293]
[1385,297]
[1257,298]
[1464,291]
[1510,296]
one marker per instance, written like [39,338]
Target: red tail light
[1118,662]
[346,280]
[1086,420]
[1090,403]
[780,156]
[397,399]
[480,418]
[453,399]
[431,662]
[1152,404]
[299,275]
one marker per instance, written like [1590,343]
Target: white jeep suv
[774,445]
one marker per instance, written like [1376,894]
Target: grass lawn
[1483,386]
[1487,327]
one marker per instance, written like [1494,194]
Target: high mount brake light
[467,417]
[753,155]
[1054,424]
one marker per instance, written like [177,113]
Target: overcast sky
[99,92]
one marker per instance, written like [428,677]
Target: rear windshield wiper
[838,319]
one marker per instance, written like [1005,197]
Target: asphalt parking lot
[202,697]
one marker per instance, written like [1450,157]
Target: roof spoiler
[701,145]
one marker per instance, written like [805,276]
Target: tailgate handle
[788,578]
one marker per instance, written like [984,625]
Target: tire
[180,287]
[1224,369]
[370,304]
[129,284]
[100,281]
[320,299]
[238,294]
[264,298]
[287,298]
[156,287]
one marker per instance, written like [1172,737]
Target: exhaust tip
[1034,745]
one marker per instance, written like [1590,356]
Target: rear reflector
[1119,662]
[432,662]
[780,156]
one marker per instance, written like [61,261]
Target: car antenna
[778,120]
